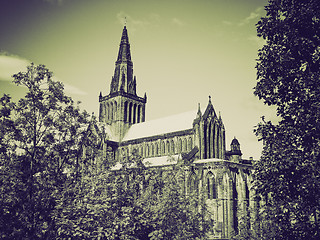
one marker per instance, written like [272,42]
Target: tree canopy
[288,174]
[39,139]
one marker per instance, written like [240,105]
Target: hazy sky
[182,51]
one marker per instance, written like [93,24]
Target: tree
[105,203]
[288,174]
[133,202]
[40,135]
[173,213]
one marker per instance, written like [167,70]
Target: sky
[183,51]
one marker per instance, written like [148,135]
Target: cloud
[73,90]
[12,64]
[253,16]
[152,19]
[178,22]
[125,19]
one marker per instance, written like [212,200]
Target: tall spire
[124,54]
[122,80]
[122,107]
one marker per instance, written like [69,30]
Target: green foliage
[39,138]
[287,177]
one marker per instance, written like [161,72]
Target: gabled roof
[174,123]
[171,124]
[209,109]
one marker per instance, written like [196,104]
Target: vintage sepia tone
[202,122]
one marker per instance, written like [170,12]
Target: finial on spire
[209,99]
[125,21]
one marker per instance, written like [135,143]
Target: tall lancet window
[179,145]
[139,113]
[111,111]
[134,117]
[115,111]
[130,113]
[192,184]
[211,186]
[125,114]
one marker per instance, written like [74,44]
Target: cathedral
[197,136]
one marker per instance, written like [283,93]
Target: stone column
[230,207]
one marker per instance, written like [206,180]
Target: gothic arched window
[208,142]
[216,142]
[179,145]
[134,113]
[211,186]
[163,148]
[125,113]
[212,140]
[130,113]
[192,183]
[152,150]
[115,111]
[172,147]
[167,147]
[184,145]
[189,143]
[107,111]
[156,149]
[147,150]
[219,143]
[139,113]
[123,152]
[111,111]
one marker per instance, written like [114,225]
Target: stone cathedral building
[197,136]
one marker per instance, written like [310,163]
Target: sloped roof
[170,124]
[161,161]
[154,162]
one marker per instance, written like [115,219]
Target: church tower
[122,107]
